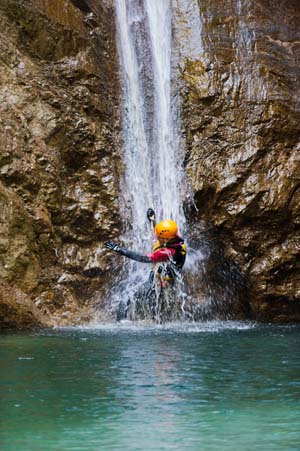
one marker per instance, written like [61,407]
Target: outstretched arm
[127,253]
[159,256]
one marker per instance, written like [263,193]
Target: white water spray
[151,143]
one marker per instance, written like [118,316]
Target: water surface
[215,386]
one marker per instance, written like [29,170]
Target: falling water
[151,144]
[152,45]
[152,156]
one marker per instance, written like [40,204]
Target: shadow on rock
[214,285]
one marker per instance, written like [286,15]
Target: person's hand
[151,214]
[112,246]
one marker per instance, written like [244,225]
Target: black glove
[151,214]
[112,246]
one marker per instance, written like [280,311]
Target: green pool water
[214,386]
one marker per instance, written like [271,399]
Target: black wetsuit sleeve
[134,255]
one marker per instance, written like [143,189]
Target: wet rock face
[59,144]
[59,154]
[242,116]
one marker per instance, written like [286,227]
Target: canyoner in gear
[168,257]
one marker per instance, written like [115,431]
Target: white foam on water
[177,327]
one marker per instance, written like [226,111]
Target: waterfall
[151,144]
[155,38]
[152,157]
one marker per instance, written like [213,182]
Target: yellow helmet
[166,229]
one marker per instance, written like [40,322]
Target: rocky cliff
[60,153]
[242,118]
[58,157]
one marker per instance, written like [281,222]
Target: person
[153,298]
[168,252]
